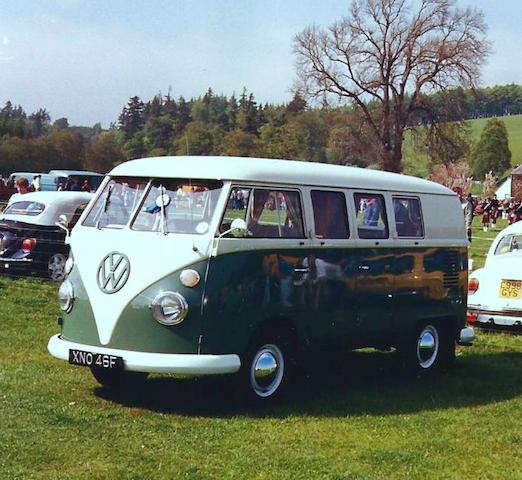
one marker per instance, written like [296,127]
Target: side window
[236,207]
[408,217]
[371,215]
[330,215]
[268,213]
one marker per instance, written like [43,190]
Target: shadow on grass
[361,383]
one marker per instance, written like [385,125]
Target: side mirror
[63,223]
[238,228]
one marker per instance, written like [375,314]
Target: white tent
[504,191]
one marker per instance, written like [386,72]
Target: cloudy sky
[83,59]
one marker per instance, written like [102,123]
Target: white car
[495,291]
[30,240]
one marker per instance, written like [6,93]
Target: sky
[84,59]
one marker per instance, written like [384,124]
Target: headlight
[69,264]
[169,308]
[66,296]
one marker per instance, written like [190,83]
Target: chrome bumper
[467,335]
[183,364]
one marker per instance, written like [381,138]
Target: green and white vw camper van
[219,265]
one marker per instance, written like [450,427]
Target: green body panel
[348,298]
[333,297]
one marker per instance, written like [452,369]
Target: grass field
[355,417]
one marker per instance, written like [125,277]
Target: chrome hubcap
[56,267]
[266,372]
[427,346]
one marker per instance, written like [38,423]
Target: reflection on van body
[163,278]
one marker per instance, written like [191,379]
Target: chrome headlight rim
[66,296]
[173,301]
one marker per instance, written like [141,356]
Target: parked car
[495,291]
[30,240]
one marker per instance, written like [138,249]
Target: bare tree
[388,53]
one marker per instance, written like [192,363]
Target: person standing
[486,214]
[467,208]
[494,212]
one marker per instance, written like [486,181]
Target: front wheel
[265,371]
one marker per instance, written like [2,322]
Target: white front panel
[152,256]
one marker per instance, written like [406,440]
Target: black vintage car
[30,240]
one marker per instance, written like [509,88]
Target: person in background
[494,212]
[36,183]
[467,208]
[22,185]
[86,187]
[486,214]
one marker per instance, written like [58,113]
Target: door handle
[301,270]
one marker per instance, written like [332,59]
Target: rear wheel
[431,348]
[118,378]
[56,267]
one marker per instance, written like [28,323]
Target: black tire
[122,379]
[265,369]
[431,348]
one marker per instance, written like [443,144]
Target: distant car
[30,240]
[495,291]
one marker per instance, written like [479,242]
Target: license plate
[98,360]
[511,289]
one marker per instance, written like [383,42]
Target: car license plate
[511,289]
[98,360]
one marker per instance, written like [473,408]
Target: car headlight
[66,296]
[169,308]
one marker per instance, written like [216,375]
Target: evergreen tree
[492,151]
[131,119]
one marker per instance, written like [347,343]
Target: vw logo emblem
[113,272]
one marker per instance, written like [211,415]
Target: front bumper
[503,318]
[183,364]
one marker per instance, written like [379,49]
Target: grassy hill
[417,164]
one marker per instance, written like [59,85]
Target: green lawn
[352,417]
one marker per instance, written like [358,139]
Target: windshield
[25,208]
[163,205]
[178,206]
[114,207]
[509,243]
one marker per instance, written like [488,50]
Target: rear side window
[408,217]
[31,209]
[330,215]
[371,215]
[267,213]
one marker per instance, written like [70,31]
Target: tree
[197,139]
[492,150]
[39,121]
[453,175]
[389,52]
[103,153]
[131,119]
[239,144]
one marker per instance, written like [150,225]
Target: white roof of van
[246,169]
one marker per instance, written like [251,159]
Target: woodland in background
[215,124]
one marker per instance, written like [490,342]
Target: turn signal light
[471,317]
[473,285]
[28,244]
